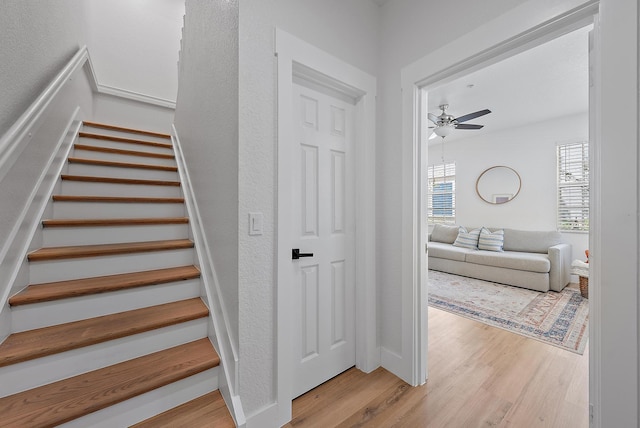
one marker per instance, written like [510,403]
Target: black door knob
[296,254]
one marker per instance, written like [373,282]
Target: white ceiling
[547,81]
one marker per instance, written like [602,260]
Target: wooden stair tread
[123,129]
[98,162]
[68,399]
[124,140]
[31,344]
[80,251]
[123,152]
[90,222]
[208,410]
[36,293]
[114,180]
[117,199]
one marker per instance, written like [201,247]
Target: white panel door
[323,225]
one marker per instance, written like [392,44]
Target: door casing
[462,57]
[296,58]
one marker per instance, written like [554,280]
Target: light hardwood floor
[479,376]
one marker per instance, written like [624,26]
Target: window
[573,187]
[441,200]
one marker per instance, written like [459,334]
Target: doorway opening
[539,103]
[420,102]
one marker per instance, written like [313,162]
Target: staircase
[112,330]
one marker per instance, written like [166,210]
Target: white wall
[134,44]
[531,151]
[346,29]
[206,120]
[38,39]
[131,113]
[410,29]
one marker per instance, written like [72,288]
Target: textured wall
[134,44]
[38,39]
[131,113]
[410,29]
[206,119]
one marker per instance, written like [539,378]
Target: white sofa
[536,260]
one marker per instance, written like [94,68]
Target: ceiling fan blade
[472,115]
[433,118]
[468,126]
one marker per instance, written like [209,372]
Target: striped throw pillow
[491,241]
[467,239]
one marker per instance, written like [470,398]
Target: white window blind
[441,187]
[573,187]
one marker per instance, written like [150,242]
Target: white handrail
[10,142]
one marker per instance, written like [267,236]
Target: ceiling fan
[445,123]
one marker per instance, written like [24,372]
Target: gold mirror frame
[499,198]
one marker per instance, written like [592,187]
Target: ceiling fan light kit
[443,131]
[445,123]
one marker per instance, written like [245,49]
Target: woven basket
[584,286]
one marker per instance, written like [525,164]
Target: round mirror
[498,184]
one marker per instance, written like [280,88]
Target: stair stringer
[26,234]
[228,384]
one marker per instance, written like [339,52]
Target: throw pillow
[491,241]
[467,239]
[444,233]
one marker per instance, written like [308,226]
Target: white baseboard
[136,96]
[124,93]
[265,417]
[393,363]
[224,343]
[234,405]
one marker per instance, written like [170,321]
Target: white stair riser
[119,172]
[38,315]
[124,146]
[111,189]
[60,270]
[40,371]
[150,404]
[125,134]
[79,153]
[64,236]
[117,210]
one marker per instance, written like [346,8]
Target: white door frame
[511,33]
[298,58]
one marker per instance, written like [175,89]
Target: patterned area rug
[560,319]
